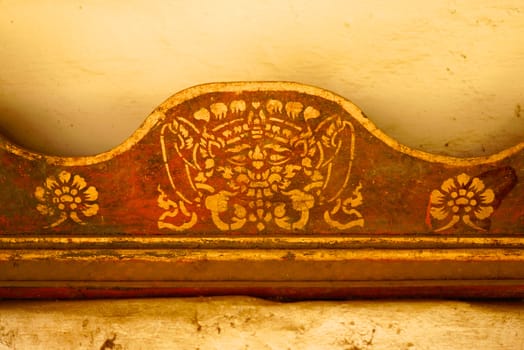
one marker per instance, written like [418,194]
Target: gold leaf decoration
[461,199]
[66,196]
[258,164]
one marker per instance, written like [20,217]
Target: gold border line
[192,92]
[515,241]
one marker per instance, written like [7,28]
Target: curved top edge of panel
[159,114]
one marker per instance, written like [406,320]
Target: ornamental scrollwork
[248,165]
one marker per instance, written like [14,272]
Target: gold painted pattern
[258,163]
[66,196]
[462,199]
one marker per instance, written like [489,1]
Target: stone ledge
[248,323]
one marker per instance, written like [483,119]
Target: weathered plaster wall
[243,323]
[445,76]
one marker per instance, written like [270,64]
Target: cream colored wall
[78,77]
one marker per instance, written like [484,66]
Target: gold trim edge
[158,115]
[211,243]
[257,256]
[121,285]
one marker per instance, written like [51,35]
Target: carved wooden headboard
[271,189]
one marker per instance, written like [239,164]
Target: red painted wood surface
[253,167]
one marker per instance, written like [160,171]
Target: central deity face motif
[254,164]
[258,160]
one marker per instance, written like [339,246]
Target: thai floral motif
[257,164]
[346,207]
[462,199]
[64,197]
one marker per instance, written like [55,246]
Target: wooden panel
[261,188]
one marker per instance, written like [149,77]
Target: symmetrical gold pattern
[258,163]
[66,196]
[462,198]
